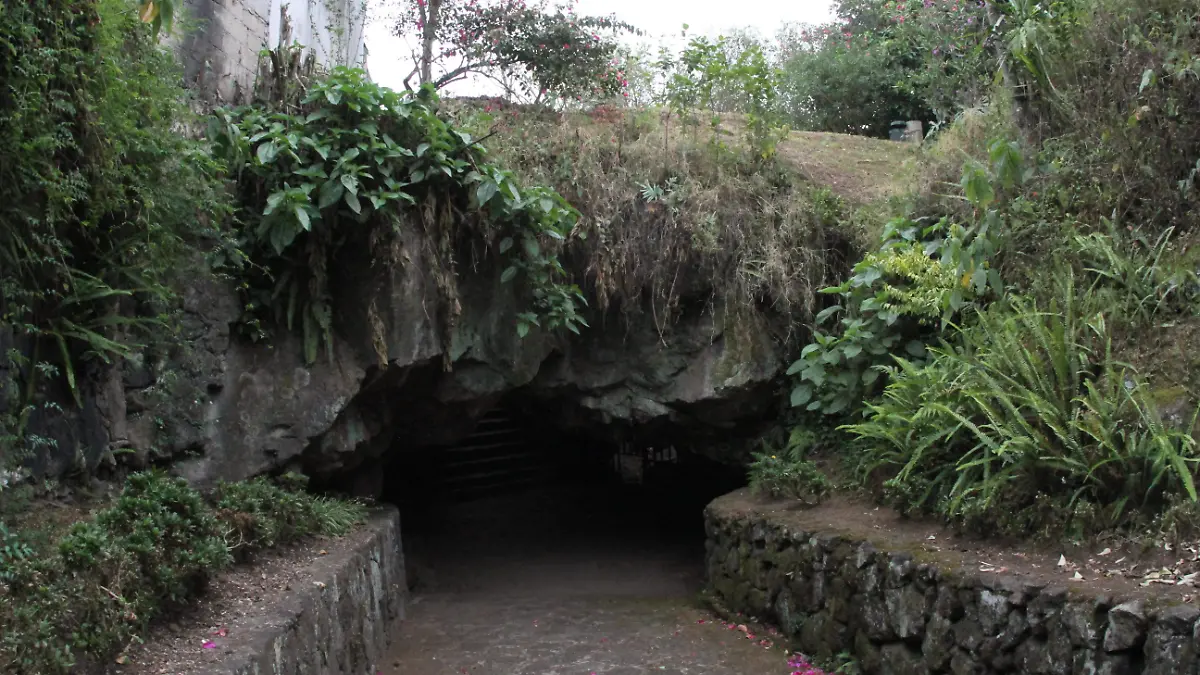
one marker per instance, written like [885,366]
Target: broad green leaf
[282,235]
[815,373]
[422,149]
[331,192]
[351,200]
[508,274]
[486,190]
[827,312]
[801,395]
[1148,79]
[302,216]
[977,187]
[532,249]
[505,244]
[522,329]
[267,152]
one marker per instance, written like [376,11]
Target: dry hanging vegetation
[675,217]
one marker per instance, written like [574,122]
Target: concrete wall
[832,594]
[221,45]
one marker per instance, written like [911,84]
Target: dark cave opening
[521,501]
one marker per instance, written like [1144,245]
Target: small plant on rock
[787,473]
[264,513]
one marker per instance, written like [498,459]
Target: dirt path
[566,585]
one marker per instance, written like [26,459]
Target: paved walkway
[566,585]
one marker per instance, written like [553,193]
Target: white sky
[389,59]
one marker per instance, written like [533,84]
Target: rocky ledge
[836,592]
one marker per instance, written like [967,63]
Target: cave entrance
[538,544]
[517,492]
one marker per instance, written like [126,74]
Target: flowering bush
[534,50]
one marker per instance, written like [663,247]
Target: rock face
[832,594]
[411,367]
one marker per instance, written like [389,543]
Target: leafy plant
[711,76]
[1135,275]
[266,513]
[921,274]
[100,197]
[77,602]
[787,473]
[1031,410]
[13,551]
[358,163]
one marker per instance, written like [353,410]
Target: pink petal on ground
[209,644]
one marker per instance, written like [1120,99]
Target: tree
[533,49]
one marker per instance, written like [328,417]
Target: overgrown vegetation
[671,220]
[1006,390]
[80,598]
[100,198]
[351,163]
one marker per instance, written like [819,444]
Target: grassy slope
[750,232]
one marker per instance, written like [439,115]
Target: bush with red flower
[535,50]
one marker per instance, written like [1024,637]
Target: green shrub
[787,473]
[13,552]
[264,514]
[896,299]
[172,533]
[1028,424]
[90,596]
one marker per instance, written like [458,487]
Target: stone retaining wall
[342,623]
[832,594]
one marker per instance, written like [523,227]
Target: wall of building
[221,39]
